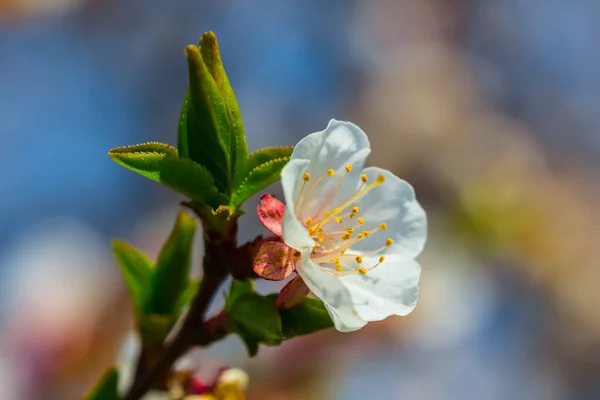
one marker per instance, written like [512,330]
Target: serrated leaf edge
[142,153]
[118,150]
[250,173]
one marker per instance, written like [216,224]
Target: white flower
[357,230]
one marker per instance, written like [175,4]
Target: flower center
[336,229]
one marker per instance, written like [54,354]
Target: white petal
[389,289]
[394,203]
[333,147]
[294,233]
[332,292]
[339,145]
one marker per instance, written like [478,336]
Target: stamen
[354,212]
[306,177]
[359,259]
[350,230]
[308,222]
[360,220]
[362,271]
[348,168]
[339,267]
[389,242]
[381,259]
[364,178]
[346,236]
[380,179]
[383,226]
[330,172]
[338,220]
[335,260]
[366,233]
[360,236]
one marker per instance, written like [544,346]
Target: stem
[184,339]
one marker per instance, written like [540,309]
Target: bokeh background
[489,107]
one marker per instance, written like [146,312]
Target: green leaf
[106,388]
[136,268]
[307,317]
[267,154]
[256,319]
[188,294]
[258,179]
[171,274]
[180,174]
[209,48]
[209,130]
[182,136]
[150,147]
[237,289]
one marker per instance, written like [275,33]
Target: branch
[192,325]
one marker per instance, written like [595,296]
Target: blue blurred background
[488,107]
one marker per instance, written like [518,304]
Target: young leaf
[150,147]
[136,268]
[267,154]
[171,275]
[256,319]
[182,136]
[307,317]
[209,131]
[209,48]
[188,294]
[237,289]
[106,388]
[257,179]
[180,174]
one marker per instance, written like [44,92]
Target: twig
[184,339]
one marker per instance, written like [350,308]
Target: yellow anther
[360,236]
[335,260]
[306,177]
[326,214]
[383,226]
[330,172]
[312,231]
[389,242]
[338,220]
[350,230]
[380,179]
[344,251]
[366,233]
[362,271]
[346,236]
[338,267]
[348,168]
[359,259]
[355,209]
[335,211]
[360,220]
[308,222]
[381,259]
[364,178]
[321,239]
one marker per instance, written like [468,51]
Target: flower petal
[394,203]
[294,233]
[292,294]
[270,212]
[339,145]
[332,147]
[332,292]
[274,261]
[389,289]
